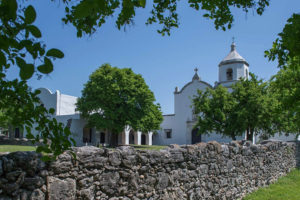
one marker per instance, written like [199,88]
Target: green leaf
[20,62]
[52,111]
[12,8]
[46,158]
[47,67]
[29,136]
[55,53]
[34,31]
[30,15]
[2,59]
[26,71]
[142,3]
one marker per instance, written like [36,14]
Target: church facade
[179,128]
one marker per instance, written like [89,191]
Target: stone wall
[18,141]
[202,171]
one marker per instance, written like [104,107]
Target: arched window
[229,74]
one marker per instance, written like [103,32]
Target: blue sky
[164,62]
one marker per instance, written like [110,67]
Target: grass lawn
[286,188]
[148,147]
[13,148]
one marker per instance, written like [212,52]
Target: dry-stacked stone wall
[18,141]
[202,171]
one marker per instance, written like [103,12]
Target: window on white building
[229,74]
[168,133]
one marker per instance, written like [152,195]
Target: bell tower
[232,68]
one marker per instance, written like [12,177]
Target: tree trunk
[233,137]
[11,132]
[249,134]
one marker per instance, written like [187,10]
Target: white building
[65,112]
[178,128]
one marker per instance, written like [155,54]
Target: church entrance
[196,137]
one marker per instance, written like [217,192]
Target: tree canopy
[249,108]
[88,15]
[114,98]
[215,109]
[286,83]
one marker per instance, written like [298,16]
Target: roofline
[168,115]
[191,83]
[227,62]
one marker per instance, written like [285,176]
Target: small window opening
[229,74]
[168,133]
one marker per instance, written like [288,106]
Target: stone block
[61,189]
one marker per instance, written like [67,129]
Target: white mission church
[177,128]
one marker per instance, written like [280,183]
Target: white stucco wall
[238,69]
[277,136]
[48,98]
[62,103]
[181,129]
[66,104]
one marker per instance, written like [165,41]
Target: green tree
[286,83]
[29,114]
[286,48]
[247,109]
[20,45]
[255,107]
[114,98]
[215,110]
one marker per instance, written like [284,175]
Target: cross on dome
[196,77]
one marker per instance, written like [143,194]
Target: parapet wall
[202,171]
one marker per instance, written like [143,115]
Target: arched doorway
[131,137]
[102,138]
[143,142]
[87,135]
[196,137]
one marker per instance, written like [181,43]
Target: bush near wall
[201,171]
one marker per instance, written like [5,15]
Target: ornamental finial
[196,77]
[233,44]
